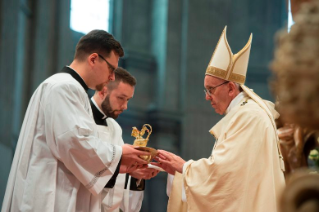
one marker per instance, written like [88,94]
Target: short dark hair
[98,41]
[121,75]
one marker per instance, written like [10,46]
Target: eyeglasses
[109,64]
[209,91]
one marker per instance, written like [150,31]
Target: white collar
[235,101]
[98,107]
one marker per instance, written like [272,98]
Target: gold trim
[228,73]
[230,54]
[237,78]
[241,52]
[220,73]
[216,48]
[244,49]
[223,35]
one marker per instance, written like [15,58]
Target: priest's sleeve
[74,138]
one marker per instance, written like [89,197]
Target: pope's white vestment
[243,173]
[60,164]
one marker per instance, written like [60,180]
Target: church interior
[167,45]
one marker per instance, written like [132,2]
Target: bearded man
[107,105]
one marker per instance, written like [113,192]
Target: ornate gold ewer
[140,142]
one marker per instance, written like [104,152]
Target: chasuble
[243,172]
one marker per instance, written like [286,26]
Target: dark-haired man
[107,105]
[60,164]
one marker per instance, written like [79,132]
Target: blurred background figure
[301,193]
[296,85]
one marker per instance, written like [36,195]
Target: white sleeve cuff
[184,199]
[170,179]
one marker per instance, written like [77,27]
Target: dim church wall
[168,45]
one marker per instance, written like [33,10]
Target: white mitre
[225,65]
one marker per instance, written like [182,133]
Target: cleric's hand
[131,160]
[169,162]
[144,173]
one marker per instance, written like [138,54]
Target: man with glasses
[245,170]
[60,163]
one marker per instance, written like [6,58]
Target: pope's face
[105,69]
[117,99]
[219,98]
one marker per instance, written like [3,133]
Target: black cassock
[100,119]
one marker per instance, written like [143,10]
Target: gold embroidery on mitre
[229,52]
[220,73]
[237,78]
[209,68]
[228,73]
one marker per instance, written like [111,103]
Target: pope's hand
[131,160]
[144,173]
[169,162]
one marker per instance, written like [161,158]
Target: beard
[107,109]
[99,87]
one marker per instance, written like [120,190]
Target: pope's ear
[232,88]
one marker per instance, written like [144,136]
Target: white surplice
[60,164]
[114,198]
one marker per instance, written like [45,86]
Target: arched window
[86,15]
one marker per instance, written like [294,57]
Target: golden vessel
[140,143]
